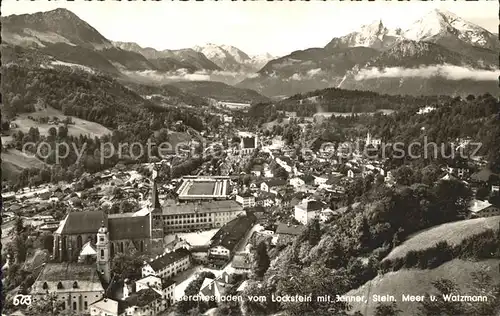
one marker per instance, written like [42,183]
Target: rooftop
[171,208]
[142,298]
[83,222]
[86,277]
[311,205]
[287,229]
[128,228]
[231,233]
[166,259]
[242,261]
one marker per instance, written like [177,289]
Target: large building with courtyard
[204,188]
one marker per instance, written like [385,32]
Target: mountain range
[62,35]
[440,53]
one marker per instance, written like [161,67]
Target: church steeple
[155,201]
[156,218]
[103,258]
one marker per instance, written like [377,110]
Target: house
[297,182]
[320,180]
[246,200]
[483,209]
[286,233]
[307,210]
[176,244]
[242,262]
[214,289]
[199,254]
[285,162]
[248,143]
[164,287]
[328,214]
[272,185]
[225,242]
[144,302]
[265,199]
[460,172]
[375,142]
[77,286]
[168,264]
[107,307]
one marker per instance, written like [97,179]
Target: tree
[261,261]
[313,232]
[280,172]
[364,233]
[127,266]
[387,309]
[52,132]
[18,225]
[49,305]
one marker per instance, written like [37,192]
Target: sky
[256,27]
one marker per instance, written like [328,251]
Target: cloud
[314,72]
[228,77]
[450,72]
[310,74]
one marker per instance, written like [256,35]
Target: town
[334,161]
[136,239]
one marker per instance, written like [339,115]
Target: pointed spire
[154,197]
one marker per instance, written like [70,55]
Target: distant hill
[419,282]
[63,35]
[453,233]
[220,91]
[167,94]
[15,161]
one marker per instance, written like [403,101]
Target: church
[142,233]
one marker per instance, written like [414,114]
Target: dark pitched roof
[275,182]
[167,283]
[128,227]
[231,233]
[286,229]
[168,258]
[84,222]
[249,142]
[142,298]
[312,205]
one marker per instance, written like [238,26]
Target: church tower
[156,220]
[103,255]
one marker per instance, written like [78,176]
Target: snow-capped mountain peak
[231,58]
[374,35]
[441,24]
[214,51]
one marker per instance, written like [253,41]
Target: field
[419,282]
[452,233]
[14,161]
[201,188]
[81,127]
